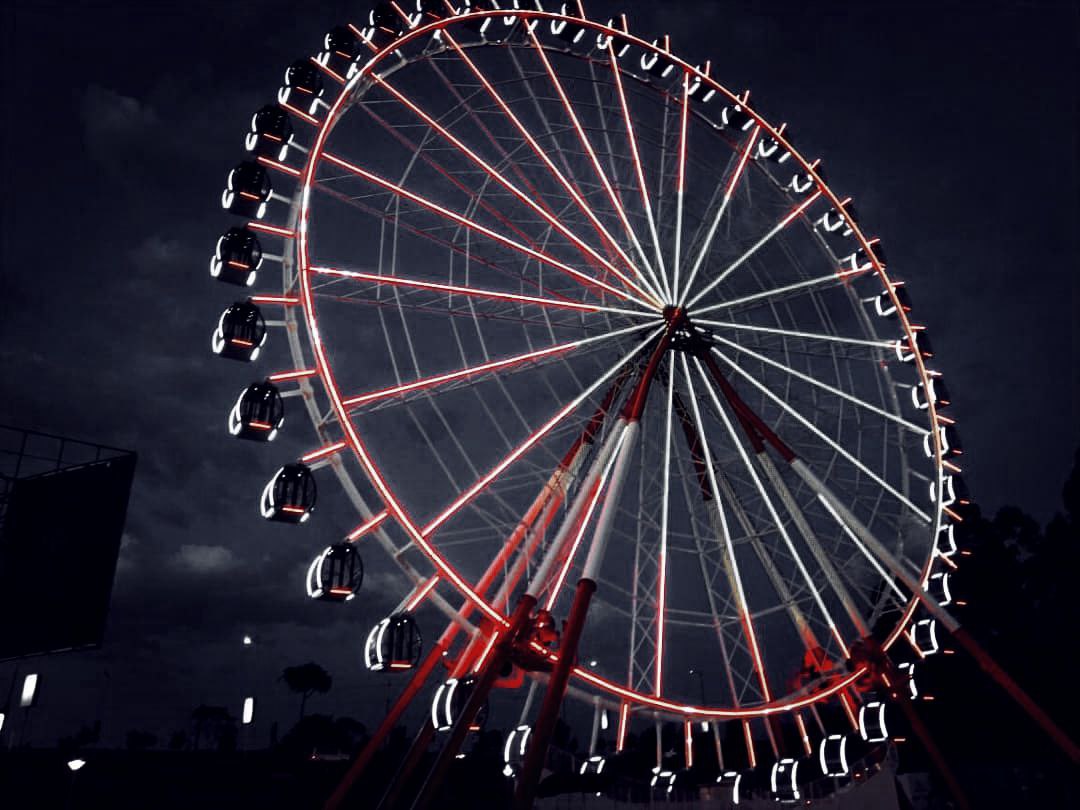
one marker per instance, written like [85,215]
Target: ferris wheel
[611,372]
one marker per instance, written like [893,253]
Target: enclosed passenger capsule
[289,497]
[394,644]
[247,190]
[449,702]
[340,48]
[258,414]
[336,574]
[303,87]
[271,133]
[240,333]
[832,756]
[236,258]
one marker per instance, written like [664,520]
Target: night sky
[953,126]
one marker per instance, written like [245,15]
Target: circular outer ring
[306,179]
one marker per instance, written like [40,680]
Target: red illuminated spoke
[735,265]
[729,192]
[415,148]
[823,436]
[546,160]
[475,373]
[521,196]
[732,564]
[476,488]
[476,226]
[587,145]
[680,184]
[639,169]
[777,522]
[426,234]
[475,292]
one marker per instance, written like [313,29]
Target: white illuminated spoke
[475,292]
[521,196]
[735,265]
[777,522]
[728,193]
[858,544]
[740,593]
[662,562]
[824,437]
[546,160]
[825,387]
[600,173]
[639,169]
[476,488]
[404,193]
[796,287]
[876,344]
[478,372]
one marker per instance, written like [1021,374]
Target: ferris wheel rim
[325,373]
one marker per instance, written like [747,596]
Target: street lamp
[75,764]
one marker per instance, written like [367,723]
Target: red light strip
[439,379]
[422,593]
[281,167]
[284,300]
[264,228]
[475,292]
[802,734]
[303,116]
[635,154]
[688,741]
[505,183]
[624,723]
[749,743]
[487,649]
[333,74]
[293,375]
[323,452]
[845,702]
[543,156]
[588,148]
[473,225]
[367,526]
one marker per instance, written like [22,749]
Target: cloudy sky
[954,131]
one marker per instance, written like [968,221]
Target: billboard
[59,541]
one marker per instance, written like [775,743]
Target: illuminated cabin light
[29,691]
[248,712]
[2,717]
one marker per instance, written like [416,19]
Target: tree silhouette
[305,680]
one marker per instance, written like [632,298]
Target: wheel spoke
[825,437]
[661,564]
[476,292]
[735,265]
[467,496]
[729,192]
[733,565]
[546,159]
[799,286]
[777,522]
[826,387]
[476,226]
[680,183]
[877,344]
[639,169]
[499,178]
[475,372]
